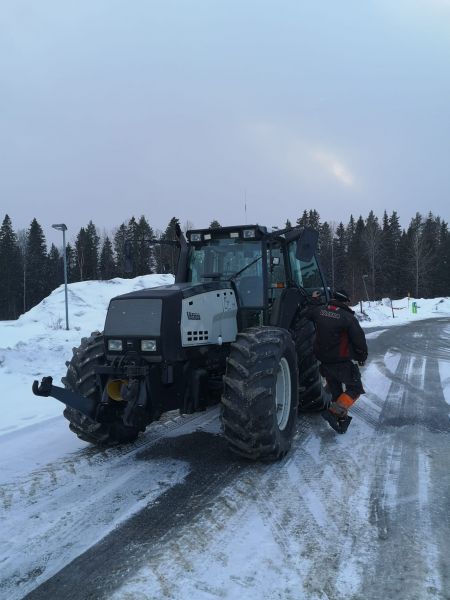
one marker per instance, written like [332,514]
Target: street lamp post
[364,277]
[63,228]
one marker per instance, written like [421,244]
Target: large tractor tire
[260,396]
[312,395]
[81,378]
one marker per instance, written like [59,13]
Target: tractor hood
[171,316]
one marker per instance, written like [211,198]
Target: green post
[414,308]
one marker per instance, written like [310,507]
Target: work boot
[337,409]
[338,423]
[345,401]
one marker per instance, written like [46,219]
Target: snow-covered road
[365,515]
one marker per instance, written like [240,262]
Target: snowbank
[389,312]
[37,344]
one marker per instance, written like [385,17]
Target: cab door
[306,273]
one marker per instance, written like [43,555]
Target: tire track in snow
[71,504]
[49,478]
[398,498]
[138,539]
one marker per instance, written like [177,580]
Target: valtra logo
[193,316]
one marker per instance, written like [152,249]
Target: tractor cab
[260,265]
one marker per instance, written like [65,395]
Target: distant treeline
[366,257]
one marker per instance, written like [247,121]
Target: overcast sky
[193,109]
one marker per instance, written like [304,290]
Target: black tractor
[230,329]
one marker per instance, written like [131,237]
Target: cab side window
[277,271]
[295,264]
[305,274]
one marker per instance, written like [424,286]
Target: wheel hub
[283,394]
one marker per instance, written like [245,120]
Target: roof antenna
[245,205]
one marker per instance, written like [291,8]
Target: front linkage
[87,406]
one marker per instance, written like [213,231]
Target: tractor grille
[134,317]
[197,336]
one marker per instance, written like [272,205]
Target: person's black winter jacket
[339,336]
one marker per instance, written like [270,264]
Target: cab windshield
[223,258]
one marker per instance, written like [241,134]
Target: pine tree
[142,249]
[36,265]
[391,277]
[10,272]
[443,278]
[214,224]
[309,218]
[120,237]
[419,258]
[314,220]
[86,252]
[357,262]
[386,271]
[326,253]
[22,237]
[371,238]
[431,233]
[107,265]
[71,264]
[93,250]
[303,220]
[168,255]
[55,269]
[340,258]
[80,254]
[132,236]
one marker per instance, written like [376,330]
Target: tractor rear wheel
[311,397]
[260,397]
[82,378]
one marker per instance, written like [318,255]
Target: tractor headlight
[196,237]
[115,345]
[148,345]
[248,234]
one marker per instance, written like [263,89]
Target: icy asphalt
[365,515]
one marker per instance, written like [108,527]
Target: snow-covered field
[52,485]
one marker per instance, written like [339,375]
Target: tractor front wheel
[260,397]
[82,378]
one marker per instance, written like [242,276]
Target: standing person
[339,342]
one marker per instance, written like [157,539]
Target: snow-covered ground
[37,344]
[52,485]
[387,312]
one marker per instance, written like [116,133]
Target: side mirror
[128,266]
[307,245]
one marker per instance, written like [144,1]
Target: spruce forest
[369,258]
